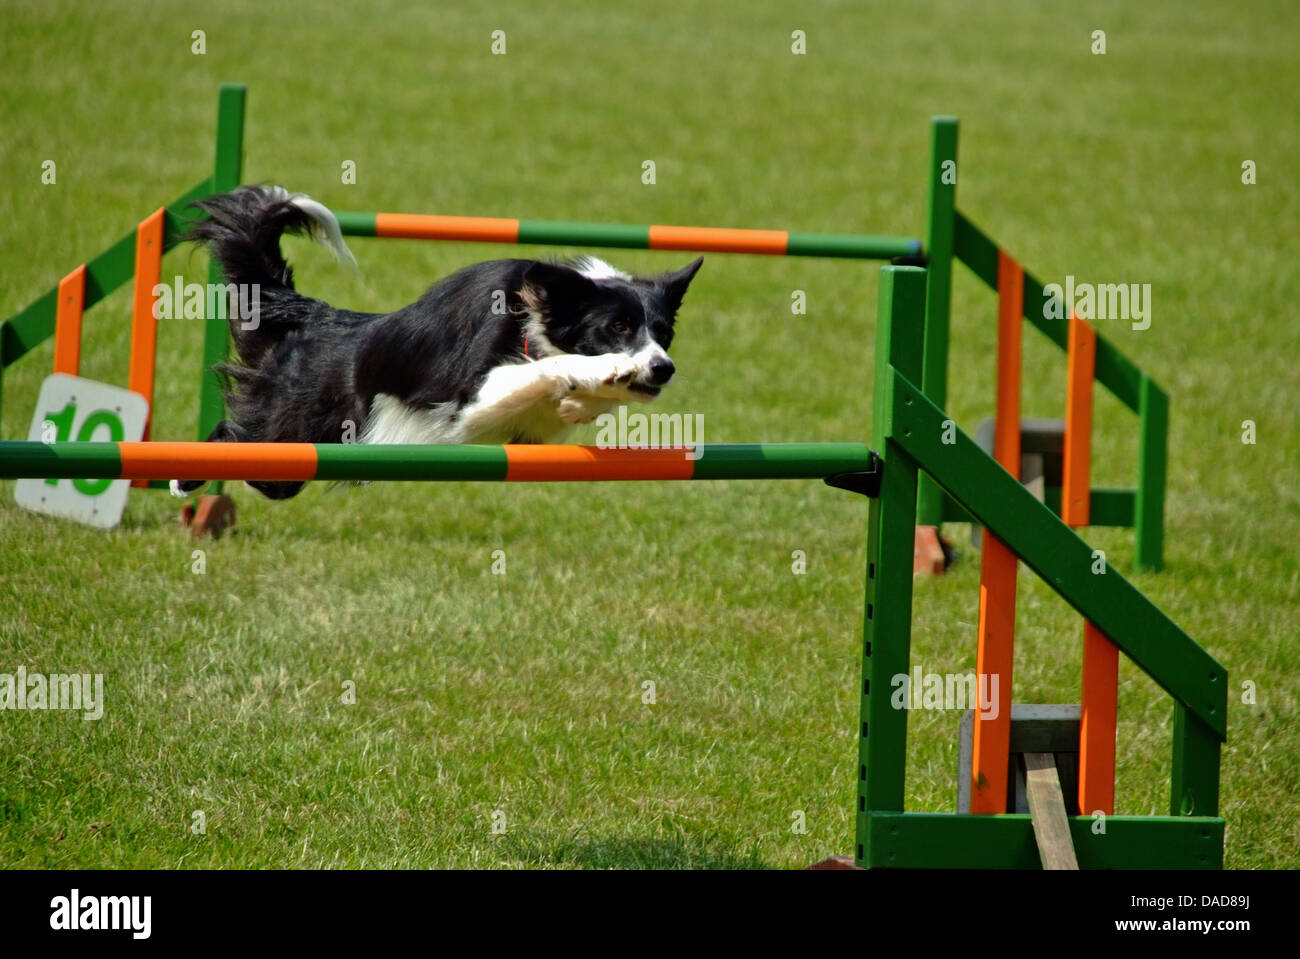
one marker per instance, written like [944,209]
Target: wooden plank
[1044,727]
[1047,812]
[1035,727]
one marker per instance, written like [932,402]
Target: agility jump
[910,453]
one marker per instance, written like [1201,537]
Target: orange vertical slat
[1099,686]
[67,322]
[1097,723]
[998,565]
[1076,480]
[144,326]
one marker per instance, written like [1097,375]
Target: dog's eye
[621,328]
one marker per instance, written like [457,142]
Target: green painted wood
[354,461]
[781,460]
[1032,307]
[852,246]
[1194,782]
[887,616]
[941,208]
[1153,452]
[953,513]
[1059,556]
[226,176]
[974,248]
[21,459]
[1109,507]
[956,841]
[352,223]
[115,266]
[180,214]
[29,328]
[1115,371]
[551,233]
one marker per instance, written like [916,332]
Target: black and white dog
[507,351]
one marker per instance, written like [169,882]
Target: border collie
[507,351]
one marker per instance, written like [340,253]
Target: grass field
[517,698]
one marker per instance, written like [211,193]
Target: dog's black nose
[661,370]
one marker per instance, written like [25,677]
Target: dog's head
[591,308]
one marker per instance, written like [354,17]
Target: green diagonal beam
[1057,554]
[28,329]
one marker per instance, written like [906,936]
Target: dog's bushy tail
[242,232]
[244,226]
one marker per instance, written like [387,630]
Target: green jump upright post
[226,176]
[940,227]
[1149,510]
[887,622]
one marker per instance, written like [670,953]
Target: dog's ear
[554,289]
[673,285]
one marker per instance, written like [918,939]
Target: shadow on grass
[680,852]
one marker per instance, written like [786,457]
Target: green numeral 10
[63,421]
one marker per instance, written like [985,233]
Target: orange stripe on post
[1098,721]
[144,325]
[475,229]
[1011,296]
[527,463]
[195,461]
[1076,480]
[991,744]
[67,323]
[995,656]
[719,240]
[1099,691]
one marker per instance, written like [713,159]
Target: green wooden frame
[1113,370]
[909,433]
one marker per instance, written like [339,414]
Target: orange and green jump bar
[344,461]
[695,239]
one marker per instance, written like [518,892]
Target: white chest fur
[534,402]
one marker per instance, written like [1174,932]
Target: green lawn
[522,693]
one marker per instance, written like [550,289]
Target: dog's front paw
[581,409]
[605,375]
[622,370]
